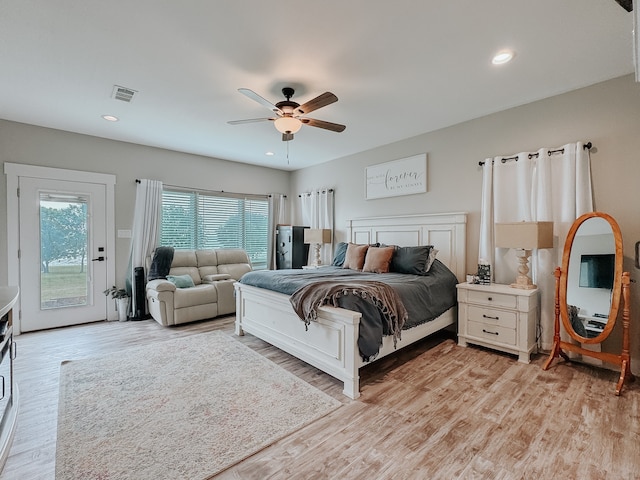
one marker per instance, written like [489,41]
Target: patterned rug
[181,409]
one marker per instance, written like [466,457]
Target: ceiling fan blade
[334,127]
[327,98]
[262,101]
[249,120]
[287,136]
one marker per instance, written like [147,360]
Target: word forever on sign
[399,177]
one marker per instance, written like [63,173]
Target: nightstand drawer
[492,333]
[491,316]
[492,299]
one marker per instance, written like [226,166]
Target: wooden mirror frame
[620,291]
[616,290]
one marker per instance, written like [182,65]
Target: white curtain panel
[552,184]
[317,212]
[277,215]
[146,226]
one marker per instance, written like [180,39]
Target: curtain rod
[586,146]
[211,191]
[308,194]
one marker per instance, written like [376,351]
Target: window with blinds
[196,220]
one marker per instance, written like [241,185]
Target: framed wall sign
[398,177]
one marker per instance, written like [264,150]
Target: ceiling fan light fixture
[502,57]
[288,124]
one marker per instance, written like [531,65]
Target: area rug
[180,409]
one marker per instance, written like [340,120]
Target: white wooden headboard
[447,232]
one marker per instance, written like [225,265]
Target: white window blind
[196,220]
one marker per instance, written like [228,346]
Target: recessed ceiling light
[110,118]
[502,57]
[269,154]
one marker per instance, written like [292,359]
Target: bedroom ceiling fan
[290,115]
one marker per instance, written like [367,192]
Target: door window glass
[64,277]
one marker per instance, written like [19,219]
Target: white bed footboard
[331,343]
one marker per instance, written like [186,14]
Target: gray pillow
[181,281]
[411,260]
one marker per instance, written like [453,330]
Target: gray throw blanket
[306,301]
[160,263]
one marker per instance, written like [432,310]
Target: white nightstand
[498,317]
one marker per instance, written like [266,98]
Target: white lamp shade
[525,235]
[317,235]
[287,124]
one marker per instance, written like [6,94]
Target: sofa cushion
[198,295]
[232,255]
[207,263]
[206,258]
[234,262]
[207,271]
[185,262]
[181,281]
[193,272]
[235,270]
[184,258]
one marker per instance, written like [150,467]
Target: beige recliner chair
[212,272]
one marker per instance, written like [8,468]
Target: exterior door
[63,272]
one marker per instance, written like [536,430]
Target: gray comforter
[425,297]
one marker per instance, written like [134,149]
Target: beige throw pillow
[378,259]
[354,258]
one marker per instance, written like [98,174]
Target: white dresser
[498,317]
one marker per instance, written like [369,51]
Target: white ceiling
[399,68]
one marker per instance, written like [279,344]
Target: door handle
[99,259]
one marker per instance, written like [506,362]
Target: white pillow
[431,259]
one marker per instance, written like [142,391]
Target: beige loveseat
[213,273]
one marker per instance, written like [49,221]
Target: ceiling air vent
[123,93]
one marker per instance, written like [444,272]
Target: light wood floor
[431,411]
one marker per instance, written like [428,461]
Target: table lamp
[524,237]
[316,237]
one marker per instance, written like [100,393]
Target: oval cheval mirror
[590,288]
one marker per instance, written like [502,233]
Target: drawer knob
[489,316]
[489,298]
[491,333]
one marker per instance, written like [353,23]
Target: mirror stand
[623,360]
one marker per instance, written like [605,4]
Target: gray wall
[607,114]
[31,145]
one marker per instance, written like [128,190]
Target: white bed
[330,344]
